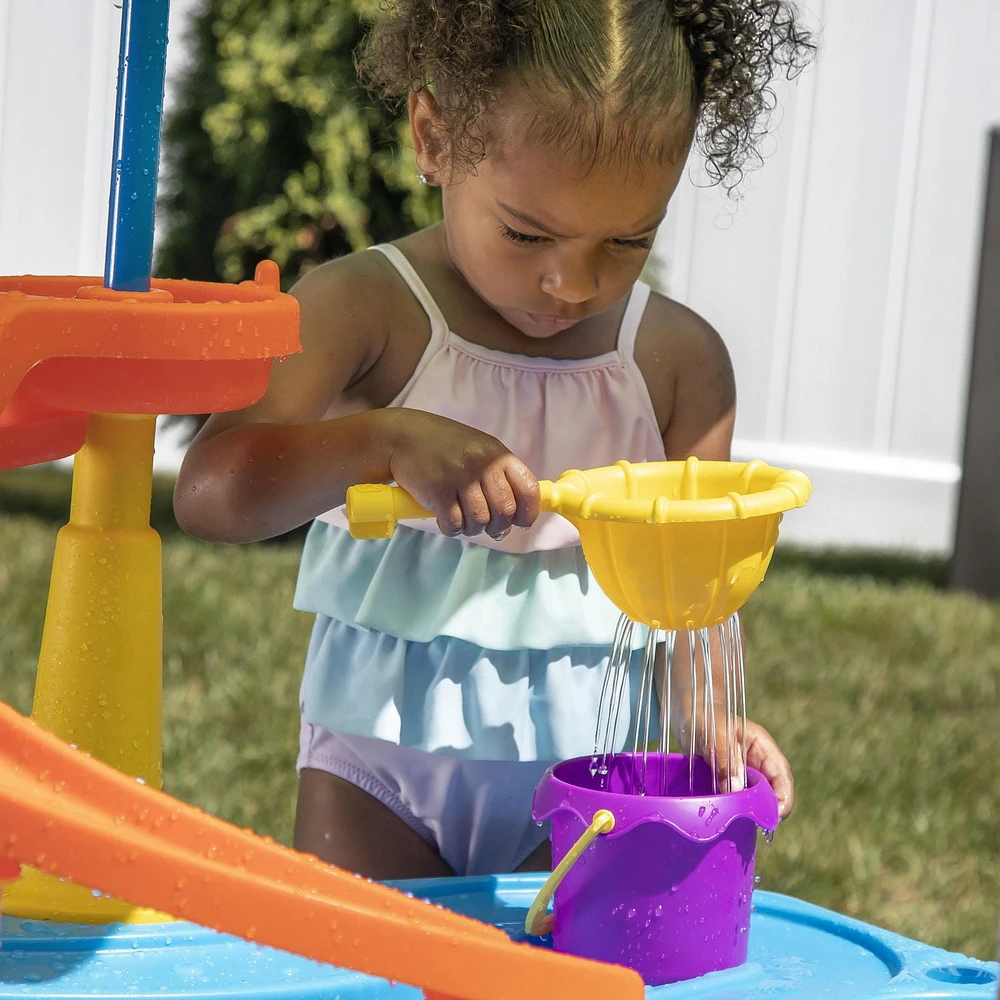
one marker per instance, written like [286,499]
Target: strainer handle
[538,922]
[373,509]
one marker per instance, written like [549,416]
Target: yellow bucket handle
[538,921]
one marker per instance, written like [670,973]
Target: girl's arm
[321,427]
[260,471]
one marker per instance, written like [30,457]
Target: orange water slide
[70,815]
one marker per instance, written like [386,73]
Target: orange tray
[70,347]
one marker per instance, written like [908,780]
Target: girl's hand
[763,754]
[469,479]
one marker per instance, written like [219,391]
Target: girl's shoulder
[669,325]
[680,354]
[358,306]
[360,287]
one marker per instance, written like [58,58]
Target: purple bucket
[667,892]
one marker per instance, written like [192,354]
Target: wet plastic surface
[797,950]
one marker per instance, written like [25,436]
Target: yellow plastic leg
[99,682]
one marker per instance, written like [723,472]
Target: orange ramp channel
[71,815]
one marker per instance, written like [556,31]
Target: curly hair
[612,77]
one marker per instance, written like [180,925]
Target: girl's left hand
[763,754]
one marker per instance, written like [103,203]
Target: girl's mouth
[552,323]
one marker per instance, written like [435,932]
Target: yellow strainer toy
[674,545]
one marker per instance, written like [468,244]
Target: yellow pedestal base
[99,682]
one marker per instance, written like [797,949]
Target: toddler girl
[452,663]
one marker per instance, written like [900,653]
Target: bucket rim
[698,818]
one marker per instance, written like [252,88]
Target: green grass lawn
[880,687]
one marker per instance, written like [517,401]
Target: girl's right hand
[469,479]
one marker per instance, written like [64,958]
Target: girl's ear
[427,131]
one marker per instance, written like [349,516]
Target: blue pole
[142,60]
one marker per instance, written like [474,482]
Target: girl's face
[544,240]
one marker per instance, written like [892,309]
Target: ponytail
[737,47]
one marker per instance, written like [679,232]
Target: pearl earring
[423,178]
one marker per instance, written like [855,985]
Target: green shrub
[273,148]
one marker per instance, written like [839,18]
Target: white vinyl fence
[845,284]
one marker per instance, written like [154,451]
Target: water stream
[694,682]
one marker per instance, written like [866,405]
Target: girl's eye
[526,239]
[644,243]
[515,236]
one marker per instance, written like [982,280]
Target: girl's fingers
[492,504]
[764,755]
[501,503]
[727,760]
[525,491]
[450,517]
[476,513]
[732,777]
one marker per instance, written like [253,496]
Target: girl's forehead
[573,194]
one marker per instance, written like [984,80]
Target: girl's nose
[570,281]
